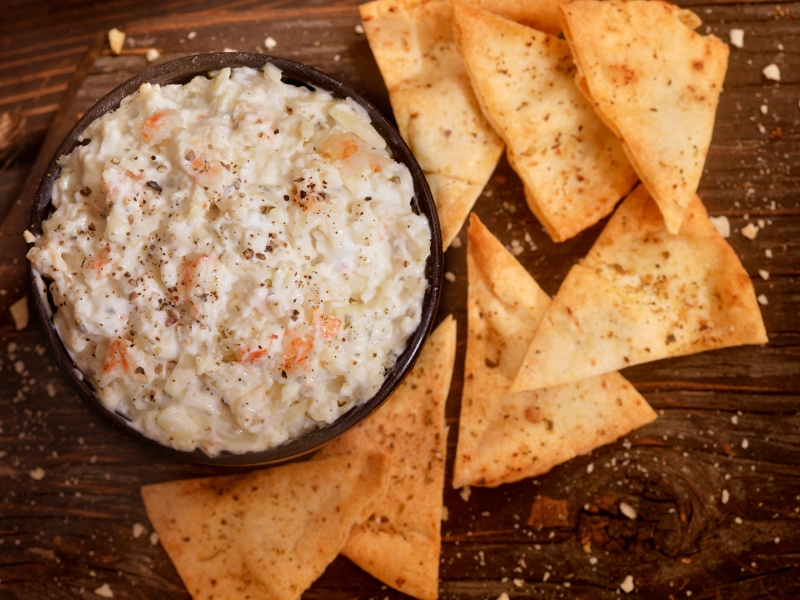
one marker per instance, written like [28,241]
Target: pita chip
[504,437]
[436,111]
[400,544]
[643,294]
[573,167]
[268,534]
[539,14]
[656,84]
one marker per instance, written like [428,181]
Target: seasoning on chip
[656,83]
[268,534]
[504,437]
[573,167]
[400,543]
[643,294]
[539,14]
[434,106]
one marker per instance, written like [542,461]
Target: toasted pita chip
[539,14]
[436,111]
[573,167]
[268,534]
[656,84]
[401,542]
[506,437]
[642,294]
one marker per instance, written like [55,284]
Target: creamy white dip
[234,261]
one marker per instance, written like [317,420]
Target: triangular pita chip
[267,534]
[573,167]
[656,83]
[505,437]
[400,544]
[642,294]
[539,14]
[436,111]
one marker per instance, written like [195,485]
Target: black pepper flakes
[154,186]
[284,374]
[139,371]
[87,191]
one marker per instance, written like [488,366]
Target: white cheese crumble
[627,510]
[772,72]
[104,591]
[465,493]
[235,261]
[750,231]
[737,37]
[722,225]
[627,584]
[116,40]
[19,312]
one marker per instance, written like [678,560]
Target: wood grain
[714,480]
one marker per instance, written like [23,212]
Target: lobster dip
[235,261]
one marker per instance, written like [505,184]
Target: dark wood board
[70,532]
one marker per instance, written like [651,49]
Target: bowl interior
[181,71]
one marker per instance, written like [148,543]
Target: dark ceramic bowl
[182,71]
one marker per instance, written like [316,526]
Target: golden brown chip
[643,294]
[400,544]
[539,14]
[573,167]
[656,84]
[267,534]
[505,437]
[436,111]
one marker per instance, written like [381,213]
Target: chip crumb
[29,237]
[750,231]
[738,520]
[359,29]
[465,493]
[152,54]
[627,584]
[450,276]
[764,274]
[503,596]
[226,49]
[518,582]
[116,39]
[745,443]
[192,35]
[546,576]
[737,37]
[19,367]
[725,496]
[777,540]
[590,467]
[138,530]
[456,243]
[154,538]
[627,510]
[37,474]
[762,300]
[19,312]
[592,560]
[445,513]
[270,43]
[104,591]
[772,72]
[768,253]
[764,109]
[735,419]
[722,225]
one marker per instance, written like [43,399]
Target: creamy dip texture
[234,261]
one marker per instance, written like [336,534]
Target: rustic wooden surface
[728,420]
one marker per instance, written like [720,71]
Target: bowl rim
[182,70]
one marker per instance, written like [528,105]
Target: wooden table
[715,480]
